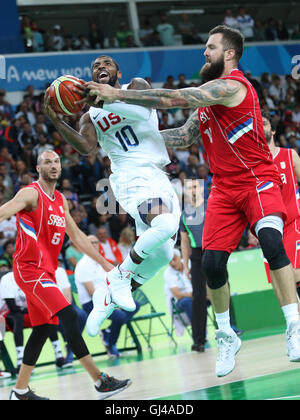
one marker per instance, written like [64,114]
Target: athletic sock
[21,391]
[128,264]
[20,354]
[291,313]
[223,321]
[57,349]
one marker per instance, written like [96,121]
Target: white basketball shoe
[293,341]
[119,284]
[228,346]
[103,308]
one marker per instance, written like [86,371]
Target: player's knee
[214,266]
[167,224]
[68,316]
[271,244]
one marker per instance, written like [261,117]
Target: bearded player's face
[49,167]
[105,71]
[215,58]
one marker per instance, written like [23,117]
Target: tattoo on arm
[138,84]
[217,91]
[183,136]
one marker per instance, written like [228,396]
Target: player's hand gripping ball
[63,98]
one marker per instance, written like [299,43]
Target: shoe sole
[105,395]
[238,349]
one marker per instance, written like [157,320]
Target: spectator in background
[96,37]
[203,173]
[118,222]
[57,39]
[8,251]
[42,145]
[259,31]
[265,81]
[186,29]
[68,43]
[122,35]
[38,43]
[100,220]
[245,24]
[73,255]
[68,192]
[296,33]
[165,30]
[108,248]
[229,19]
[154,40]
[5,107]
[283,33]
[126,241]
[27,33]
[169,83]
[8,230]
[146,33]
[271,30]
[296,114]
[182,82]
[276,89]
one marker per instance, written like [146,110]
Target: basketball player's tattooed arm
[185,135]
[85,141]
[81,241]
[219,91]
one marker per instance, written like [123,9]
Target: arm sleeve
[132,112]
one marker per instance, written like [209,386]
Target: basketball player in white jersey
[129,135]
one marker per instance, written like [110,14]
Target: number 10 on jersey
[127,137]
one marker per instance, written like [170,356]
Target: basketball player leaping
[42,219]
[246,184]
[130,136]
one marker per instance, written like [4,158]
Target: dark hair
[267,116]
[114,61]
[232,38]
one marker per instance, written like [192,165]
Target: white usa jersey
[130,136]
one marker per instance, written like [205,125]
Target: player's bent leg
[284,286]
[162,226]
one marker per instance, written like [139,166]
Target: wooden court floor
[263,372]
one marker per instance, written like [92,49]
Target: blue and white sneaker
[103,308]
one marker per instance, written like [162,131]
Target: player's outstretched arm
[81,241]
[220,91]
[85,141]
[185,135]
[26,198]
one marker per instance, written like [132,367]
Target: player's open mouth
[103,75]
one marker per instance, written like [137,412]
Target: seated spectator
[165,30]
[245,24]
[230,20]
[83,43]
[8,251]
[122,35]
[27,34]
[67,190]
[68,43]
[38,43]
[169,84]
[88,276]
[179,288]
[70,162]
[8,230]
[282,32]
[118,222]
[191,167]
[57,39]
[7,178]
[154,40]
[101,220]
[146,32]
[78,215]
[95,37]
[7,192]
[259,31]
[108,248]
[24,110]
[73,255]
[271,30]
[164,122]
[130,42]
[42,145]
[126,241]
[182,82]
[186,29]
[276,89]
[296,33]
[5,107]
[7,159]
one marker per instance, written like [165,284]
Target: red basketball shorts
[291,242]
[44,299]
[231,207]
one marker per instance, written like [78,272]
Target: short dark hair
[232,38]
[267,116]
[105,55]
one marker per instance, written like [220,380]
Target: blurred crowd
[185,32]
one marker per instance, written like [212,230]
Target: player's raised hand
[48,108]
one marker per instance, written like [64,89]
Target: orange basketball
[62,96]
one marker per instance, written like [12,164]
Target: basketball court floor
[263,372]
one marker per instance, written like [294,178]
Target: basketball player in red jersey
[288,164]
[42,219]
[246,183]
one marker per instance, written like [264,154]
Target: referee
[191,229]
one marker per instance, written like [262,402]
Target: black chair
[149,314]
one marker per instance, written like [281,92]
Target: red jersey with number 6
[234,140]
[40,233]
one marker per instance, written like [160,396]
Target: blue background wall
[40,69]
